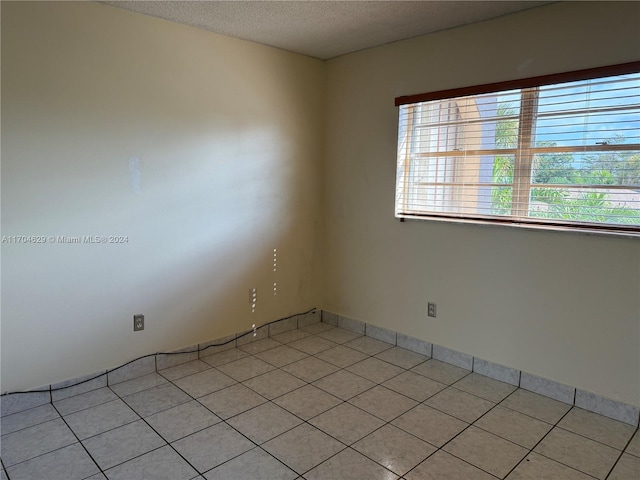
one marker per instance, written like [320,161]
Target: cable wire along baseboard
[253,332]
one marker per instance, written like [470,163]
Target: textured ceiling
[325,29]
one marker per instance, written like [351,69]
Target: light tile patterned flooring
[320,403]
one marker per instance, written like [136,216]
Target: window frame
[518,219]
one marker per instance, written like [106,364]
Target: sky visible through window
[566,151]
[578,113]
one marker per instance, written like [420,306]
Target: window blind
[534,153]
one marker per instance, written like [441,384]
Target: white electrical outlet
[138,322]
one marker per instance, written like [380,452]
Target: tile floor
[319,403]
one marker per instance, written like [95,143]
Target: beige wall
[207,152]
[204,150]
[559,305]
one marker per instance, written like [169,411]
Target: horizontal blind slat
[456,155]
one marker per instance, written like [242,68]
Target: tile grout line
[624,450]
[348,400]
[389,422]
[588,438]
[522,413]
[303,421]
[553,426]
[309,383]
[637,425]
[464,430]
[612,468]
[132,458]
[365,324]
[223,420]
[441,448]
[367,412]
[29,426]
[349,447]
[499,436]
[556,425]
[337,440]
[378,463]
[79,441]
[378,384]
[169,443]
[4,469]
[256,445]
[306,421]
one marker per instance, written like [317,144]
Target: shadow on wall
[190,238]
[197,153]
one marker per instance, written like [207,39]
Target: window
[557,152]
